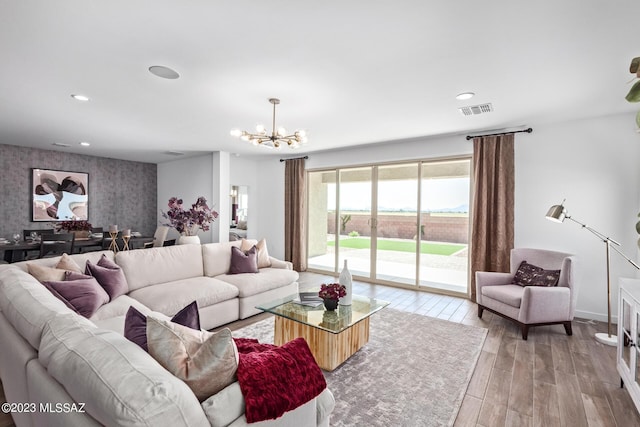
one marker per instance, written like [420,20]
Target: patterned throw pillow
[206,361]
[531,275]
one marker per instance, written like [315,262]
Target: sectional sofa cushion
[169,298]
[160,265]
[225,406]
[118,307]
[252,284]
[217,257]
[27,304]
[127,387]
[206,361]
[110,276]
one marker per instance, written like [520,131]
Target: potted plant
[634,92]
[81,228]
[331,294]
[189,222]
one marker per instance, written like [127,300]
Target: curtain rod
[294,158]
[528,130]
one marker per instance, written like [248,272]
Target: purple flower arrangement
[188,222]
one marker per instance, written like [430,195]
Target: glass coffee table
[333,336]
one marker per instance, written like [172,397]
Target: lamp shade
[557,213]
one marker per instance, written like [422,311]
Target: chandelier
[278,135]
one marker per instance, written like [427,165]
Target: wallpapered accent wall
[120,192]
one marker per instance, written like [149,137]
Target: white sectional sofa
[73,371]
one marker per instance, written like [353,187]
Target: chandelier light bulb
[301,133]
[282,131]
[236,132]
[260,129]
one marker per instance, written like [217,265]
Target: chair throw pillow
[135,323]
[531,275]
[84,295]
[243,262]
[109,275]
[206,361]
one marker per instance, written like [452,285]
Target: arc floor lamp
[558,213]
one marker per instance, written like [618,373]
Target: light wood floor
[550,380]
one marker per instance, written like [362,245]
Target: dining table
[14,252]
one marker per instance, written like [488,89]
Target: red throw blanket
[275,379]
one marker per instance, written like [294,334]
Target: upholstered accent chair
[530,305]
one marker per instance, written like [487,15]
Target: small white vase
[345,280]
[189,240]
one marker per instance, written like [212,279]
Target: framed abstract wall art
[59,195]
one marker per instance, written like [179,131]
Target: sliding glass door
[405,223]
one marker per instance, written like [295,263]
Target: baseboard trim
[595,316]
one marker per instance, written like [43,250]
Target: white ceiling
[348,72]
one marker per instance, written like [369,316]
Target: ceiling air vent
[174,153]
[474,110]
[60,144]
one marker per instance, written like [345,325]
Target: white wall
[593,163]
[186,179]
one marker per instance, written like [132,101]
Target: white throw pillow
[263,253]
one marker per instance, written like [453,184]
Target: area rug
[414,371]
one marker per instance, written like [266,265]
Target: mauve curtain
[493,200]
[295,188]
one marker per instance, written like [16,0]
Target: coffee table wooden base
[329,349]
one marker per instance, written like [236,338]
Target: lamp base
[607,339]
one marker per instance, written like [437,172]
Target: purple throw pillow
[109,275]
[135,323]
[85,295]
[244,262]
[531,275]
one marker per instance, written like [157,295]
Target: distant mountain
[460,208]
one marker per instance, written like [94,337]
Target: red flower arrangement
[80,225]
[332,291]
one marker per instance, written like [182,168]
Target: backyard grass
[400,245]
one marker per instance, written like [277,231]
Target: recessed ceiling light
[84,143]
[78,97]
[464,95]
[164,72]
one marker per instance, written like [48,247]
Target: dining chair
[26,233]
[56,244]
[99,243]
[26,236]
[158,237]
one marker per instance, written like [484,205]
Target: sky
[397,195]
